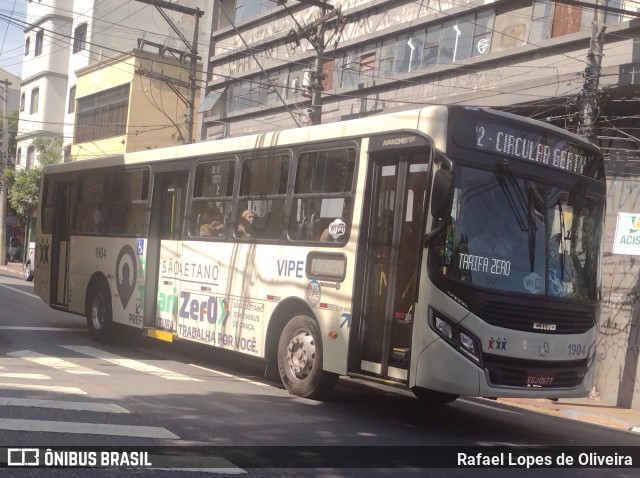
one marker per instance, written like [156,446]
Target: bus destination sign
[520,143]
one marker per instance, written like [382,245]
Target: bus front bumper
[445,369]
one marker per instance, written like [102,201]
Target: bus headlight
[457,336]
[444,328]
[468,343]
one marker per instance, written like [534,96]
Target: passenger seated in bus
[208,226]
[245,225]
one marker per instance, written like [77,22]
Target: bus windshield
[516,235]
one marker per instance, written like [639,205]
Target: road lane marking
[85,428]
[129,363]
[41,329]
[20,291]
[44,388]
[62,405]
[29,376]
[242,379]
[54,362]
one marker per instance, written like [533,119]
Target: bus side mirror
[441,194]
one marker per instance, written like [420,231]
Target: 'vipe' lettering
[213,309]
[289,268]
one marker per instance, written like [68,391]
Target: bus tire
[28,272]
[433,397]
[300,359]
[98,311]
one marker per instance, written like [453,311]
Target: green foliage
[13,132]
[24,185]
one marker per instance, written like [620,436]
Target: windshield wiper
[521,206]
[515,200]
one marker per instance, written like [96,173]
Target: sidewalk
[12,267]
[583,409]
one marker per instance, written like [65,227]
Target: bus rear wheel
[300,359]
[99,313]
[433,397]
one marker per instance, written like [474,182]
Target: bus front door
[64,205]
[164,250]
[393,250]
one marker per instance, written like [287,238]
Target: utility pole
[192,54]
[5,157]
[589,106]
[314,33]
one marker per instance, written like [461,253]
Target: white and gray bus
[447,250]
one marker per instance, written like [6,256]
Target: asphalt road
[216,412]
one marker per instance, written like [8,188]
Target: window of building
[456,39]
[39,42]
[482,33]
[18,156]
[35,98]
[23,100]
[102,115]
[431,45]
[250,8]
[72,100]
[263,191]
[31,151]
[27,42]
[541,21]
[80,38]
[387,56]
[511,28]
[409,51]
[322,205]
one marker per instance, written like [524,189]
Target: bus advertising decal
[193,270]
[42,252]
[126,274]
[497,344]
[314,292]
[212,313]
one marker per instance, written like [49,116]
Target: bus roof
[398,121]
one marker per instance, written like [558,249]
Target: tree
[13,132]
[24,185]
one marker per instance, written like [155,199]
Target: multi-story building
[64,37]
[533,57]
[44,75]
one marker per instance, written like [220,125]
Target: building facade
[64,37]
[532,57]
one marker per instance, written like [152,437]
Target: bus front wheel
[99,313]
[300,359]
[433,397]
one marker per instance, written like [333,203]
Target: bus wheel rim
[97,314]
[301,354]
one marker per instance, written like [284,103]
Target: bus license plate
[539,379]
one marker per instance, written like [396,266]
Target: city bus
[448,250]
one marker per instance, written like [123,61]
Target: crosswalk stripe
[44,388]
[54,362]
[129,363]
[85,428]
[29,376]
[62,405]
